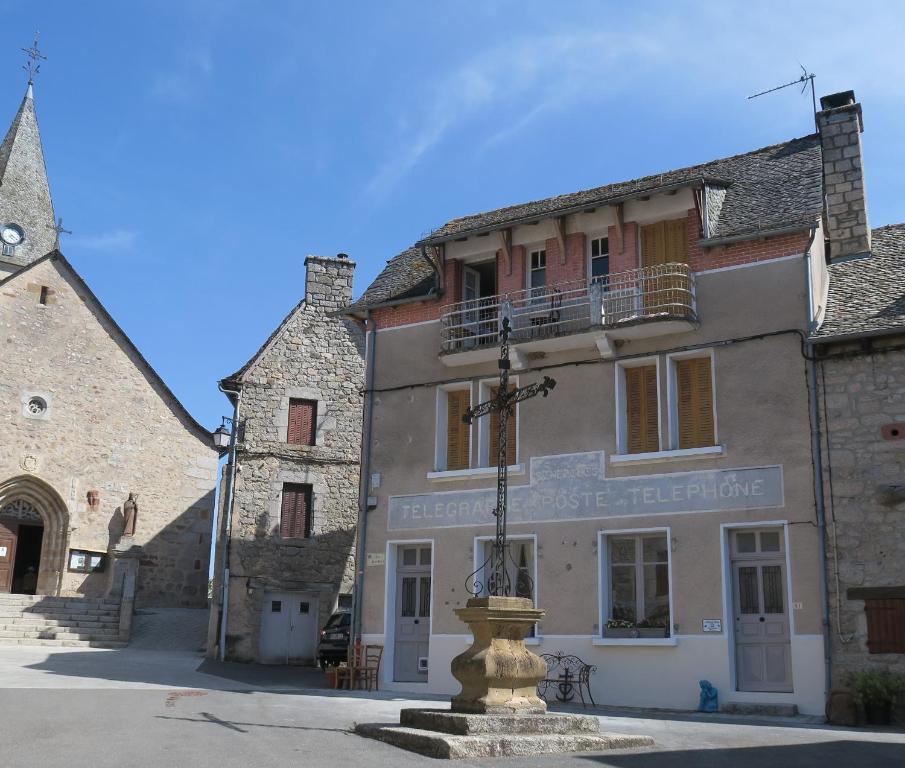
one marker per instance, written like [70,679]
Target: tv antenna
[803,81]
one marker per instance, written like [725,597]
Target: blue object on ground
[708,701]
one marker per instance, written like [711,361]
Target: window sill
[659,457]
[661,641]
[476,473]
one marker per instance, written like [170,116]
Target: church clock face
[12,234]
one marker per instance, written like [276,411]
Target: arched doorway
[34,524]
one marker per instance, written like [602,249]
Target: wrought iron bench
[566,676]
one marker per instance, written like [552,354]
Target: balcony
[639,303]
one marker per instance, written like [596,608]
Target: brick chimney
[328,281]
[840,124]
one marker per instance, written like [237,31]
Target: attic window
[43,297]
[9,250]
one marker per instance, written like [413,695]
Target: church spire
[27,221]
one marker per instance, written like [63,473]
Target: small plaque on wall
[713,625]
[376,558]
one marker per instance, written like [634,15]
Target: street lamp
[222,437]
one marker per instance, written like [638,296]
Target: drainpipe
[228,514]
[816,452]
[365,484]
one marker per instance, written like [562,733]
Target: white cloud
[114,241]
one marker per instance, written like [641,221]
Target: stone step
[469,725]
[42,601]
[56,634]
[71,610]
[82,626]
[755,709]
[449,746]
[64,643]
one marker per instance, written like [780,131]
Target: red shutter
[295,512]
[302,422]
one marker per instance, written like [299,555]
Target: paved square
[137,708]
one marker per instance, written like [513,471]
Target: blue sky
[200,149]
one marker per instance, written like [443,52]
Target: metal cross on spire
[60,230]
[498,582]
[35,57]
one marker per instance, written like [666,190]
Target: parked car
[334,639]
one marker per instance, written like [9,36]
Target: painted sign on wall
[573,487]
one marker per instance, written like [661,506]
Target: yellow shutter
[495,433]
[695,402]
[457,431]
[653,244]
[676,242]
[642,418]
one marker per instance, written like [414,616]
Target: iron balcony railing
[662,292]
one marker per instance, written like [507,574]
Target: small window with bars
[295,511]
[302,429]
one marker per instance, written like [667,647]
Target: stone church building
[286,544]
[85,422]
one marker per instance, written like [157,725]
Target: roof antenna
[805,78]
[35,57]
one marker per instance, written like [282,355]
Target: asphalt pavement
[140,708]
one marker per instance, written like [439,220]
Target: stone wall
[108,427]
[316,355]
[865,527]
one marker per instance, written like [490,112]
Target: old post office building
[662,498]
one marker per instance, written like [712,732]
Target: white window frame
[480,542]
[621,413]
[530,270]
[591,239]
[603,587]
[442,427]
[483,427]
[672,398]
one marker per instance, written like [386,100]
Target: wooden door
[413,602]
[763,650]
[7,555]
[663,243]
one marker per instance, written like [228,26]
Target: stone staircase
[59,621]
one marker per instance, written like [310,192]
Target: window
[521,569]
[453,434]
[885,625]
[9,250]
[641,409]
[302,422]
[600,260]
[42,299]
[295,511]
[664,243]
[537,273]
[636,579]
[276,606]
[692,417]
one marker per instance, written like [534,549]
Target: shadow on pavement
[864,754]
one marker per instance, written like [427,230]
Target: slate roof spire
[24,189]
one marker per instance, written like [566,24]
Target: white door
[413,603]
[289,626]
[763,650]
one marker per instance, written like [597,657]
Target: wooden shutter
[663,243]
[695,402]
[885,625]
[495,433]
[295,517]
[642,417]
[457,431]
[302,422]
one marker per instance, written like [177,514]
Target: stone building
[86,422]
[663,505]
[861,350]
[290,526]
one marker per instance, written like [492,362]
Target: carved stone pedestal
[498,673]
[123,580]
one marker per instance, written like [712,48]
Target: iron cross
[499,583]
[35,57]
[60,230]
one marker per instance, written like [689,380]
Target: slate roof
[867,296]
[772,188]
[405,276]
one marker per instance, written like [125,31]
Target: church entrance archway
[34,525]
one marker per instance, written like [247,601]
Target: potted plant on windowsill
[646,628]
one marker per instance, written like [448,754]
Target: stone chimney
[840,125]
[328,281]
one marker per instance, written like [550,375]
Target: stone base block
[453,735]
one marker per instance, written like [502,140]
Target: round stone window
[37,406]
